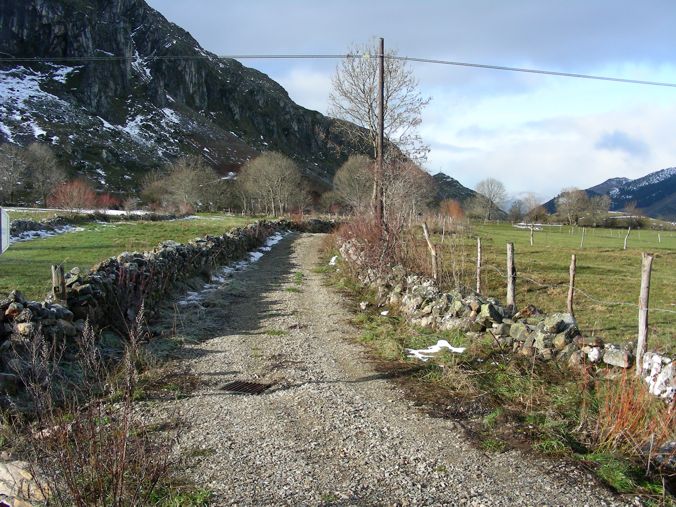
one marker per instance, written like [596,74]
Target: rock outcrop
[147,94]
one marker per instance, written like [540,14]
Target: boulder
[490,313]
[558,322]
[26,328]
[501,329]
[615,356]
[520,331]
[19,485]
[543,340]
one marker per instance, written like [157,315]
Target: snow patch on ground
[429,352]
[18,87]
[221,276]
[31,235]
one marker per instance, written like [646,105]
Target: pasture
[607,282]
[26,265]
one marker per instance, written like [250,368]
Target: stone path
[330,431]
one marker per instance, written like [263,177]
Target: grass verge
[507,401]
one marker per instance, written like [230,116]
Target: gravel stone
[331,431]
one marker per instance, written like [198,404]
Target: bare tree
[353,182]
[273,183]
[13,171]
[407,191]
[530,202]
[494,195]
[516,211]
[354,98]
[598,208]
[189,184]
[44,170]
[571,204]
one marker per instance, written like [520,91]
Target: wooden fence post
[643,304]
[584,229]
[531,234]
[626,238]
[571,285]
[433,251]
[478,265]
[511,277]
[58,284]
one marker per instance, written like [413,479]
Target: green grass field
[27,266]
[607,282]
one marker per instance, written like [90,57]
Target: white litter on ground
[428,353]
[333,260]
[220,277]
[385,313]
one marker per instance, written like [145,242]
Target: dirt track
[331,430]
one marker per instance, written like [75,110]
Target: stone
[661,375]
[543,340]
[576,360]
[558,322]
[65,327]
[615,356]
[455,324]
[520,331]
[490,313]
[13,310]
[506,341]
[564,355]
[561,340]
[19,484]
[583,341]
[594,354]
[526,351]
[546,354]
[26,328]
[501,329]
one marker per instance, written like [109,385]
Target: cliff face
[114,118]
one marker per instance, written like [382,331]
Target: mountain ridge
[148,94]
[653,194]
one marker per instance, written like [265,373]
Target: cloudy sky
[535,133]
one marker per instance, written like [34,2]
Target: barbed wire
[577,291]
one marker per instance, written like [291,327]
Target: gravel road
[330,431]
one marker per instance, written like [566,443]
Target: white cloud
[544,162]
[307,87]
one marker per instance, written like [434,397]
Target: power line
[329,57]
[533,71]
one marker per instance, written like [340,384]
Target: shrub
[74,195]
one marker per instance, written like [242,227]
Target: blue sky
[534,133]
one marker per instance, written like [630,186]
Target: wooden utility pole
[643,304]
[378,206]
[571,285]
[511,277]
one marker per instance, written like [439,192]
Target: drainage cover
[242,387]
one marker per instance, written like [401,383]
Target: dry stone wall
[529,332]
[111,293]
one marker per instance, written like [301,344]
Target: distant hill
[450,188]
[653,194]
[145,94]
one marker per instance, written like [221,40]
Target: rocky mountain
[450,188]
[117,90]
[654,194]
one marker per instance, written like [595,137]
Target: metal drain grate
[242,387]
